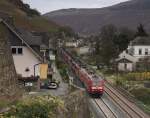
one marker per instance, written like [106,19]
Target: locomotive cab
[97,85]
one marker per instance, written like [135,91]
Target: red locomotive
[94,84]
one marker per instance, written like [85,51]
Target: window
[14,50]
[146,51]
[19,50]
[125,66]
[140,51]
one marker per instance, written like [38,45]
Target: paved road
[62,90]
[63,87]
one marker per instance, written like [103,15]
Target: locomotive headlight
[94,88]
[100,88]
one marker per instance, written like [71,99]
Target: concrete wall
[26,60]
[121,67]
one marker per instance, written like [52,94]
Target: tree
[124,36]
[141,31]
[110,43]
[106,50]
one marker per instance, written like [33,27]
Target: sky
[45,6]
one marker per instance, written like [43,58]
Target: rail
[105,109]
[130,108]
[122,102]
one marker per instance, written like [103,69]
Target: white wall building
[83,50]
[25,61]
[138,49]
[25,51]
[71,44]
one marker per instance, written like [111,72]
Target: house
[71,44]
[126,62]
[83,50]
[137,50]
[25,49]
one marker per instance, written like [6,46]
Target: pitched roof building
[138,49]
[25,50]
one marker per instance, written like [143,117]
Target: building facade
[137,50]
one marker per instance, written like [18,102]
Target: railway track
[105,109]
[128,107]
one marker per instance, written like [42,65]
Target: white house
[138,49]
[25,50]
[126,62]
[83,50]
[71,44]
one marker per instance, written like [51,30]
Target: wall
[122,68]
[136,51]
[26,60]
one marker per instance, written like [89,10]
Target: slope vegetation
[25,17]
[126,14]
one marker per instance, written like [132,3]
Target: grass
[143,95]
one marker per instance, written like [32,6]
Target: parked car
[52,85]
[49,85]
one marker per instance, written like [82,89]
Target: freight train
[93,83]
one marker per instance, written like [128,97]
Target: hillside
[25,17]
[84,21]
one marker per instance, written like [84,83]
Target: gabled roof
[141,41]
[27,36]
[124,60]
[21,38]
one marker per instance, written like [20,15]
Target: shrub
[119,82]
[142,94]
[36,107]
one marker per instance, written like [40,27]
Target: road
[62,90]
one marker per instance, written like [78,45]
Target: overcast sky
[49,5]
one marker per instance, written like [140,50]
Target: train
[93,83]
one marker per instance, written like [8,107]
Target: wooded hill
[84,21]
[25,17]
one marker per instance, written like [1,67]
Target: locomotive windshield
[96,80]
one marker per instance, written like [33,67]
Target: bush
[36,107]
[138,76]
[119,82]
[142,94]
